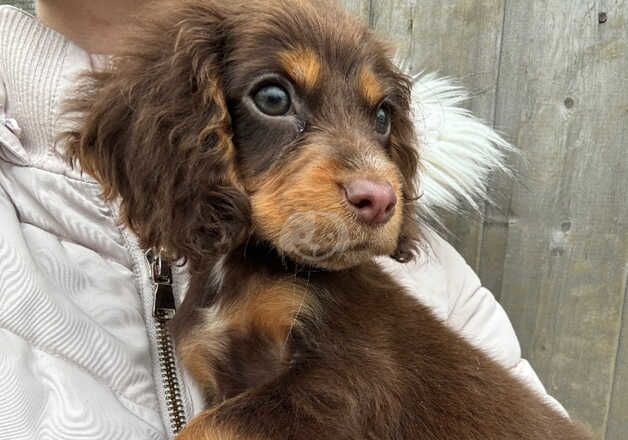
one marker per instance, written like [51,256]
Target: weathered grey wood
[617,420]
[459,38]
[563,95]
[27,5]
[360,8]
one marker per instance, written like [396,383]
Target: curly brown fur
[157,135]
[289,328]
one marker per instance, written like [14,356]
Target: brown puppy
[269,143]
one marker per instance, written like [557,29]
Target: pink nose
[374,202]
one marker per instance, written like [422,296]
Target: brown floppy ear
[155,131]
[404,152]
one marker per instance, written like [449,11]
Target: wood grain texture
[563,95]
[360,8]
[617,420]
[27,5]
[616,29]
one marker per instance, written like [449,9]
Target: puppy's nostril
[391,205]
[363,204]
[374,202]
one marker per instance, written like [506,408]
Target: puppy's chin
[337,257]
[341,261]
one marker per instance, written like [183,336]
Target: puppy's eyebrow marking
[303,65]
[370,87]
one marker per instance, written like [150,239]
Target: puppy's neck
[231,275]
[263,255]
[256,259]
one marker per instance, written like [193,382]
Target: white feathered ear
[458,151]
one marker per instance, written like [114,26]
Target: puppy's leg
[280,410]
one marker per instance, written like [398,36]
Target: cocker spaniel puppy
[270,145]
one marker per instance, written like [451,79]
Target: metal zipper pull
[163,295]
[164,302]
[163,310]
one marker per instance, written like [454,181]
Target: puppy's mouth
[328,240]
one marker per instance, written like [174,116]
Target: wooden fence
[552,75]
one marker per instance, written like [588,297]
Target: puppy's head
[283,121]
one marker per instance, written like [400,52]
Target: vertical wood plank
[563,94]
[458,38]
[27,5]
[617,420]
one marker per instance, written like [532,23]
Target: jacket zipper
[163,311]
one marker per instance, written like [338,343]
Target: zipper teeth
[174,402]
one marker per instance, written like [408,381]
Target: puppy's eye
[272,100]
[382,120]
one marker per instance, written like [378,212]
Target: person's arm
[441,279]
[96,25]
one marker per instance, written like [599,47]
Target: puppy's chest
[246,337]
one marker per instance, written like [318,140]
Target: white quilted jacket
[78,351]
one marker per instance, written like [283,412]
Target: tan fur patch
[265,307]
[309,186]
[271,310]
[370,87]
[303,65]
[203,348]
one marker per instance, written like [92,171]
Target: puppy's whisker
[296,315]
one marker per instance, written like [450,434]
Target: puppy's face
[324,146]
[282,120]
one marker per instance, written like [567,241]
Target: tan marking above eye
[370,87]
[303,66]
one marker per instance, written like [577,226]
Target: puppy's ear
[155,131]
[404,152]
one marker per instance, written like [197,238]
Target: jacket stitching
[35,166]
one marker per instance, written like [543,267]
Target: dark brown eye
[272,100]
[382,120]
